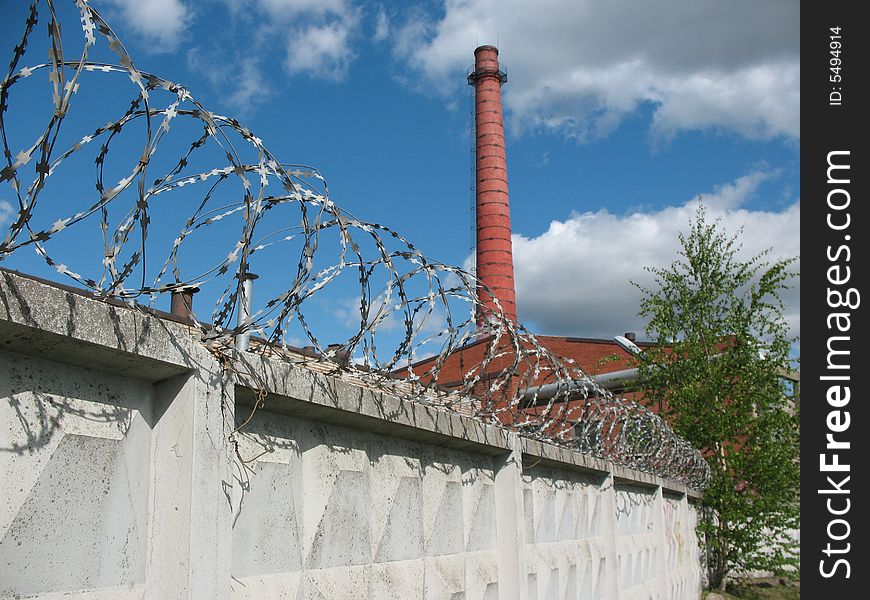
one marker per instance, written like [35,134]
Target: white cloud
[287,9]
[347,312]
[771,91]
[322,51]
[388,316]
[163,22]
[408,38]
[318,42]
[304,37]
[208,66]
[251,87]
[580,66]
[5,212]
[574,279]
[240,82]
[382,26]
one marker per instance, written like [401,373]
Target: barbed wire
[222,178]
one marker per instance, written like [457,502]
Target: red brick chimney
[495,266]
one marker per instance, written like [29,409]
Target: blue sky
[619,114]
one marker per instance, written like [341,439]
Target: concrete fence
[122,479]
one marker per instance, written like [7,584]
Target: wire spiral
[238,210]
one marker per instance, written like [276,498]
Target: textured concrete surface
[566,530]
[74,450]
[121,478]
[399,518]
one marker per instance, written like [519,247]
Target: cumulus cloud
[162,22]
[322,50]
[316,35]
[574,279]
[313,38]
[581,66]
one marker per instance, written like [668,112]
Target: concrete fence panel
[136,465]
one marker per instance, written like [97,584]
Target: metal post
[244,312]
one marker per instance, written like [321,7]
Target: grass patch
[767,588]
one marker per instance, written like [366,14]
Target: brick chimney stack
[495,267]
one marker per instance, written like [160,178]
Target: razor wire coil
[430,304]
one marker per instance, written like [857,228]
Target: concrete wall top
[40,319]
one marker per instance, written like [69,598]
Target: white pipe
[608,381]
[244,312]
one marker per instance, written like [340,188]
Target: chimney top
[181,302]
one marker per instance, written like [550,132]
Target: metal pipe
[615,380]
[607,381]
[181,303]
[244,312]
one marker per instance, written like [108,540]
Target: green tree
[716,374]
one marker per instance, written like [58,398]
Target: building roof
[593,355]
